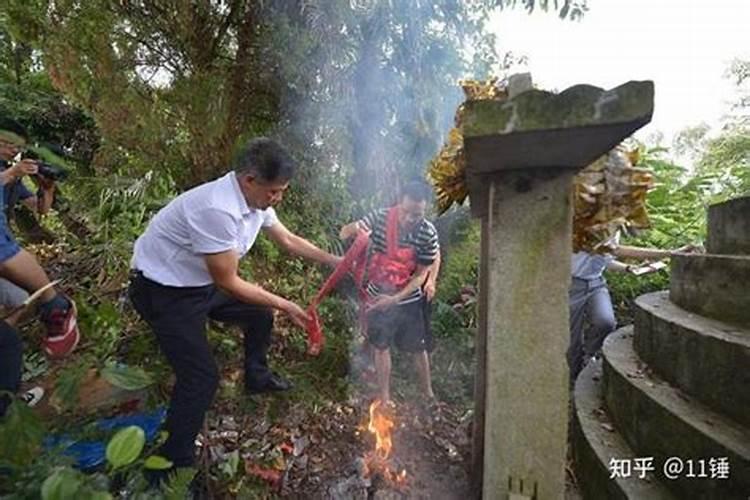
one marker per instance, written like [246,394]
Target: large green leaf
[127,377]
[125,446]
[61,485]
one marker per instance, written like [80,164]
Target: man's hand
[351,230]
[383,302]
[298,315]
[429,289]
[23,167]
[335,260]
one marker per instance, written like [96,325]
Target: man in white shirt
[185,270]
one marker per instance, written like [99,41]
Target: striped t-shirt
[423,238]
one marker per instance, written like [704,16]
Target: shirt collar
[245,209]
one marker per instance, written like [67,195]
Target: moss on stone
[580,105]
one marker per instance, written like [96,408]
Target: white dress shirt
[211,218]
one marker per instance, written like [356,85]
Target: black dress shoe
[274,383]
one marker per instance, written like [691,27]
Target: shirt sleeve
[269,217]
[212,231]
[370,220]
[428,245]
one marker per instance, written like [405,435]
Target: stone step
[595,444]
[729,227]
[717,286]
[706,358]
[658,421]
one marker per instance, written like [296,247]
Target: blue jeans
[588,299]
[8,245]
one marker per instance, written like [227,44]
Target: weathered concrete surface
[712,285]
[538,129]
[577,106]
[706,358]
[480,378]
[659,421]
[729,227]
[596,443]
[528,257]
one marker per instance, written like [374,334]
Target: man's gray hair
[265,159]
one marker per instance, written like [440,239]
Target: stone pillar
[521,157]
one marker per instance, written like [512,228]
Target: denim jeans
[588,299]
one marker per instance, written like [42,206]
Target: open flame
[380,425]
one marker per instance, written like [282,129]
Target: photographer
[11,176]
[20,271]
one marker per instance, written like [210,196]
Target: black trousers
[11,363]
[178,315]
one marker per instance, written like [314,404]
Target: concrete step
[717,286]
[658,421]
[705,358]
[729,227]
[595,443]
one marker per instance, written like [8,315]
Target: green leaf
[21,435]
[61,485]
[101,495]
[131,378]
[125,446]
[157,462]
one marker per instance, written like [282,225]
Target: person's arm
[350,230]
[618,267]
[630,252]
[14,173]
[384,301]
[223,270]
[45,195]
[299,246]
[430,285]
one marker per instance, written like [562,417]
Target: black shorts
[403,325]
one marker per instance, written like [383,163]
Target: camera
[46,170]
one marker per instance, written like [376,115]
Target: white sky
[684,46]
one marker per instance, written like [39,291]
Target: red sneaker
[62,332]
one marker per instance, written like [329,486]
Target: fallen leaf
[271,476]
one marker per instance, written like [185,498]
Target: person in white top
[185,270]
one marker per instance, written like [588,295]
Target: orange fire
[380,425]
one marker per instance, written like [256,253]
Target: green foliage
[573,9]
[66,483]
[459,240]
[125,446]
[68,384]
[179,484]
[21,433]
[103,325]
[156,462]
[131,378]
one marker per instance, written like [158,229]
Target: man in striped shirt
[402,274]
